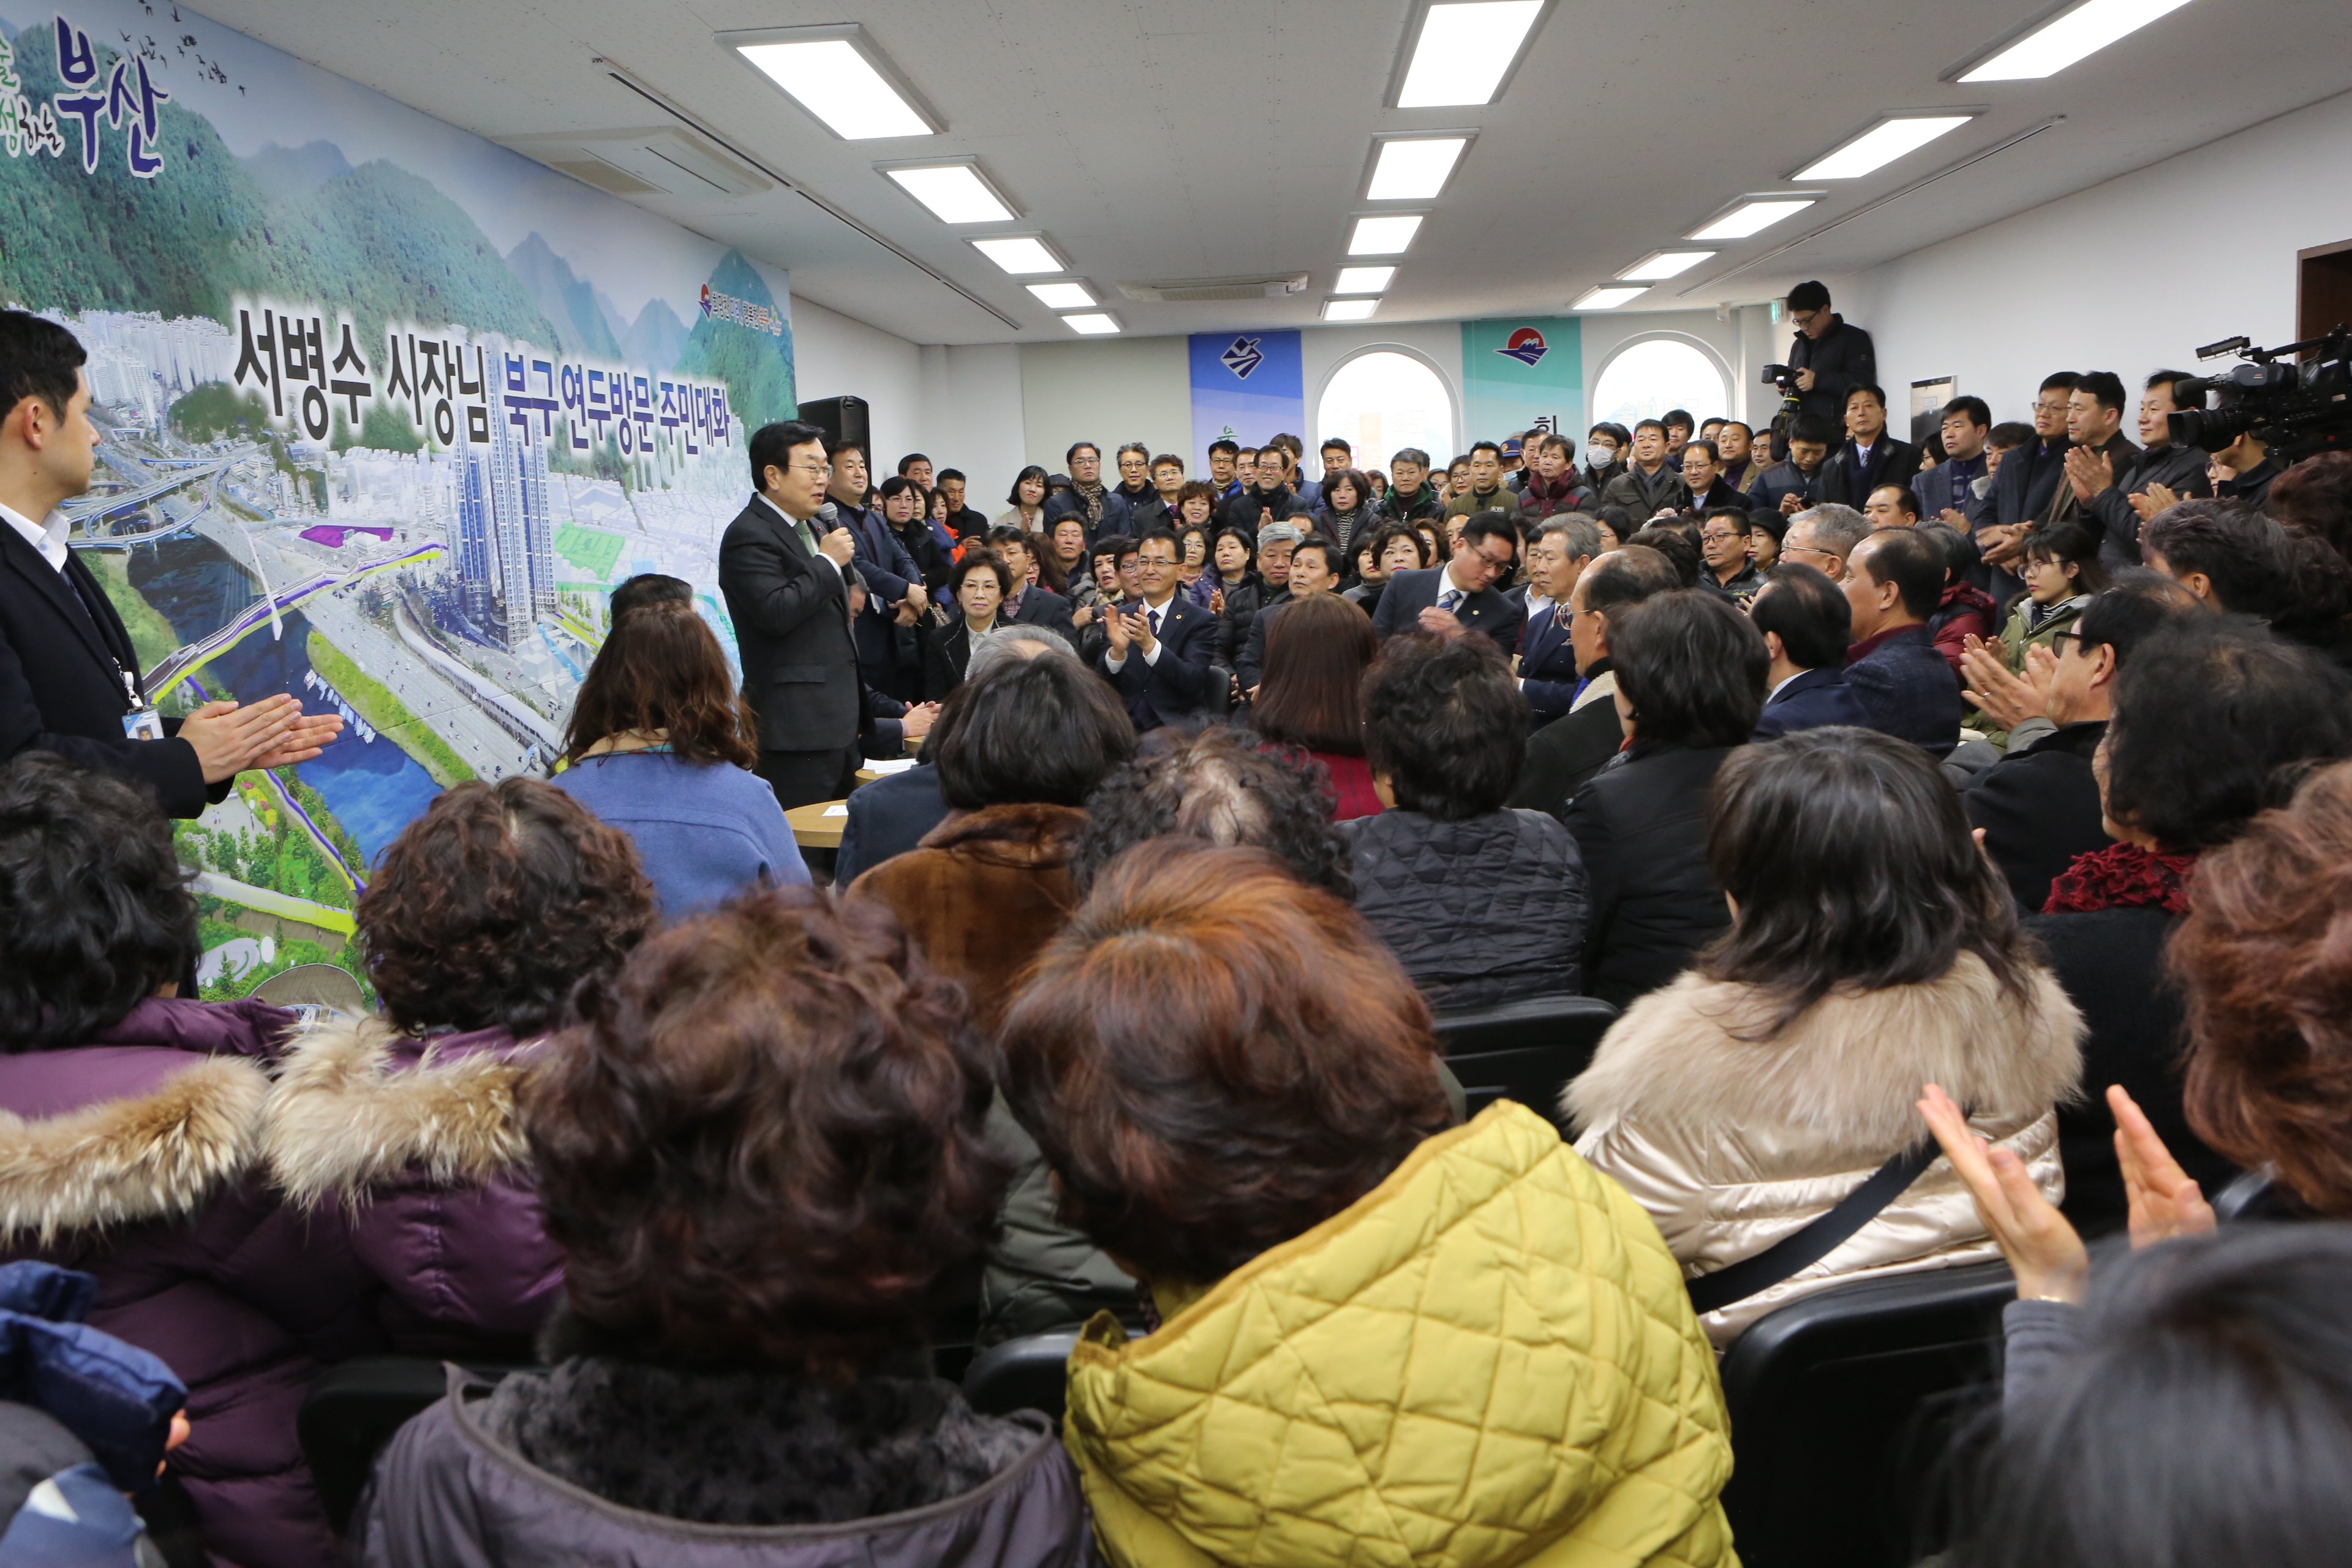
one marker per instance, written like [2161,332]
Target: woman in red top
[1316,650]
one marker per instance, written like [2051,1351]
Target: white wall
[972,418]
[1109,391]
[833,356]
[2128,276]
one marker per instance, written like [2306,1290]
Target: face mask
[1596,456]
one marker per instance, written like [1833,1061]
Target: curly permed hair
[765,1141]
[489,907]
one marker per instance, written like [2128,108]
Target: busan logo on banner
[1242,357]
[1527,346]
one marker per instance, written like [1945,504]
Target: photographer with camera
[1828,358]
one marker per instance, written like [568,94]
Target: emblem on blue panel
[1242,357]
[1527,346]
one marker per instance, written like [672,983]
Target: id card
[145,724]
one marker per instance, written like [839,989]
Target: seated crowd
[1120,1014]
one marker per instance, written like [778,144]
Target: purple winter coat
[135,1157]
[414,1144]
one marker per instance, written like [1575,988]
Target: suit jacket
[63,652]
[2119,451]
[881,559]
[2021,493]
[1249,667]
[888,817]
[1547,666]
[2039,806]
[1812,700]
[1178,681]
[1784,480]
[1116,515]
[1892,462]
[1642,829]
[1908,690]
[1409,593]
[791,610]
[1041,606]
[1563,758]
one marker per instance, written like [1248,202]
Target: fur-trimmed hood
[1029,834]
[148,1123]
[358,1104]
[1849,1069]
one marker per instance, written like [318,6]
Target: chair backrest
[1029,1373]
[353,1410]
[1525,1051]
[1843,1409]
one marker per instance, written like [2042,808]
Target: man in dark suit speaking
[787,590]
[69,679]
[1460,596]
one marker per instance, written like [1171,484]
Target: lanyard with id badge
[142,722]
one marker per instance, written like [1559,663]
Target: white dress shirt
[48,538]
[1159,613]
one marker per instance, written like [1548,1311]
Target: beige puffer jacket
[1732,1143]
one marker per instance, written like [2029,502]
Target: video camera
[2298,409]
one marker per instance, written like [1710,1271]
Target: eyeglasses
[820,470]
[1717,536]
[1493,564]
[1809,549]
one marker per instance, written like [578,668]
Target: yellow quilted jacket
[1490,1359]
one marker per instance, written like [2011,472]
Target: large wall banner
[1522,373]
[386,411]
[1248,387]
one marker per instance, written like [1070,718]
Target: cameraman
[1828,357]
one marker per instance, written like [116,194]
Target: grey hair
[999,645]
[1279,533]
[1839,528]
[1578,533]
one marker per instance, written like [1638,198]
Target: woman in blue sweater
[661,746]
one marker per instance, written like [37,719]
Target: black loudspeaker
[841,419]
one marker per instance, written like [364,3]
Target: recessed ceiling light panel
[1383,236]
[1349,310]
[840,76]
[1606,298]
[1754,216]
[952,193]
[1664,264]
[2061,41]
[1093,324]
[1463,51]
[1064,296]
[1413,168]
[1020,254]
[1881,145]
[1363,279]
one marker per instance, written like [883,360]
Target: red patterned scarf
[2123,877]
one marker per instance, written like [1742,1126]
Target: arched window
[1649,377]
[1381,401]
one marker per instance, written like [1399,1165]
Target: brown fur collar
[159,1155]
[1029,833]
[1852,1067]
[342,1118]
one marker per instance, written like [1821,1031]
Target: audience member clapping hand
[2007,698]
[2048,1258]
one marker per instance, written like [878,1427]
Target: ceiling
[1162,139]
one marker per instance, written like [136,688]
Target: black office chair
[1524,1050]
[1031,1374]
[353,1410]
[1844,1408]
